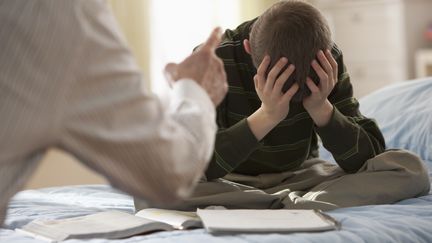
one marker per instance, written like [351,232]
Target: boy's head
[292,29]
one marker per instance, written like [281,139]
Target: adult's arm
[118,128]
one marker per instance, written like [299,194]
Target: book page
[178,219]
[282,220]
[111,224]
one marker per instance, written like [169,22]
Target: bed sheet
[406,221]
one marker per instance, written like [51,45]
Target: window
[177,27]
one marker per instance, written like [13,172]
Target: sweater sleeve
[233,146]
[358,137]
[234,143]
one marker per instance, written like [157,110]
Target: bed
[403,112]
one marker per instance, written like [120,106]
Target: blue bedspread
[404,114]
[406,221]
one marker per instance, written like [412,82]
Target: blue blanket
[406,221]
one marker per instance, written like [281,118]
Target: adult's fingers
[170,72]
[219,66]
[223,75]
[213,40]
[220,85]
[215,74]
[220,71]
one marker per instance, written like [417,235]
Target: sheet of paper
[172,217]
[283,220]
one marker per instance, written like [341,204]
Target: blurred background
[383,41]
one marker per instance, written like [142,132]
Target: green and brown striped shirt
[349,136]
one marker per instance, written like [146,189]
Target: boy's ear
[246,45]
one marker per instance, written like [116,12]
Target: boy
[287,86]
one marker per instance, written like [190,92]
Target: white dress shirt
[68,80]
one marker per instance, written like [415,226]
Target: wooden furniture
[379,38]
[424,63]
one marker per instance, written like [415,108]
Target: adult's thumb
[170,72]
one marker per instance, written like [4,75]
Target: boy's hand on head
[275,103]
[317,104]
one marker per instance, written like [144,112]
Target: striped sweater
[349,136]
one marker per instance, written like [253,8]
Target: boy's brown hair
[292,29]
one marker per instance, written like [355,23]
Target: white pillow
[403,112]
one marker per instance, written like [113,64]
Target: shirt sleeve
[351,137]
[121,130]
[233,145]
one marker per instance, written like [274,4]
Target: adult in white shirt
[68,80]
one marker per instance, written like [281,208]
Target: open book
[260,221]
[111,225]
[116,224]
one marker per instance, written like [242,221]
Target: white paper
[283,220]
[178,219]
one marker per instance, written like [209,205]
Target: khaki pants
[387,178]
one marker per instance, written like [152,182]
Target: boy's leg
[387,178]
[220,192]
[311,173]
[262,192]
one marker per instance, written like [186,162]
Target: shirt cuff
[337,122]
[242,137]
[188,89]
[339,135]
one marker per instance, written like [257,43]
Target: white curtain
[179,26]
[162,31]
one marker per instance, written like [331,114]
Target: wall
[60,169]
[252,8]
[133,18]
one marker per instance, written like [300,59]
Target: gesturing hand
[317,103]
[204,67]
[275,103]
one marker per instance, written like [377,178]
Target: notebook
[111,225]
[263,221]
